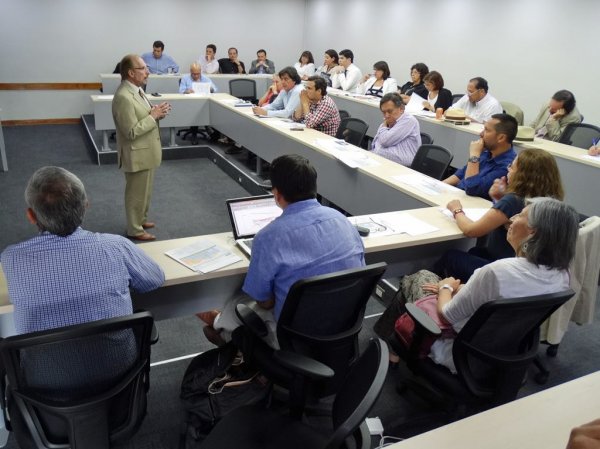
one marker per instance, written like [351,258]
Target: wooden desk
[542,420]
[185,291]
[164,84]
[578,175]
[3,163]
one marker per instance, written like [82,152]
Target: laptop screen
[249,215]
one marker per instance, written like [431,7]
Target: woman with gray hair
[543,236]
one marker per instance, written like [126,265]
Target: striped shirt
[58,281]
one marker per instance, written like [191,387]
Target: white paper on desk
[415,105]
[472,214]
[201,88]
[595,159]
[350,155]
[426,184]
[425,114]
[287,124]
[391,223]
[203,256]
[105,97]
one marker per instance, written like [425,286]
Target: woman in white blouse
[543,236]
[379,83]
[305,65]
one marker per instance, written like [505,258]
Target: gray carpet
[189,200]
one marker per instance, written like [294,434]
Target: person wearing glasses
[138,143]
[478,104]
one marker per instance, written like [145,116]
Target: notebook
[248,216]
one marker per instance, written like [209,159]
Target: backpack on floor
[215,383]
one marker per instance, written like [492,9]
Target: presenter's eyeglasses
[140,68]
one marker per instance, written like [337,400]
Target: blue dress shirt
[187,83]
[307,239]
[58,281]
[161,65]
[489,169]
[286,102]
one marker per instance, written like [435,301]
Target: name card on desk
[350,155]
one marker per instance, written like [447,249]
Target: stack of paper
[352,156]
[473,214]
[390,223]
[203,256]
[427,185]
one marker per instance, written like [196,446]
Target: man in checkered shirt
[317,110]
[66,275]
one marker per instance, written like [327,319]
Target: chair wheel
[541,378]
[552,350]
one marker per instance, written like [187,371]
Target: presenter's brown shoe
[148,225]
[145,237]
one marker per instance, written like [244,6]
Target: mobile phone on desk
[156,94]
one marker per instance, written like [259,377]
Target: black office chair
[253,427]
[321,319]
[194,132]
[352,130]
[580,135]
[344,114]
[432,160]
[492,353]
[244,89]
[81,386]
[426,139]
[456,97]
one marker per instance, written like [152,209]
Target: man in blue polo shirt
[308,239]
[489,157]
[158,62]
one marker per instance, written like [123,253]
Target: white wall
[76,40]
[526,49]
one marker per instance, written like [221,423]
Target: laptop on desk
[248,216]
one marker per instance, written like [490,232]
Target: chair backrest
[243,88]
[456,97]
[82,385]
[580,135]
[359,392]
[514,110]
[426,139]
[491,362]
[322,316]
[352,130]
[432,160]
[344,114]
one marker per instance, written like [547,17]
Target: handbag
[405,326]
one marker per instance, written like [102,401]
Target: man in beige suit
[138,143]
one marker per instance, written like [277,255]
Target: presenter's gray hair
[556,226]
[58,199]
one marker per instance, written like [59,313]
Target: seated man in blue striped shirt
[306,240]
[66,275]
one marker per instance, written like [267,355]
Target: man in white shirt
[288,99]
[346,76]
[208,62]
[478,104]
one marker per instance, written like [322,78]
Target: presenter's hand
[594,151]
[160,111]
[476,148]
[498,188]
[259,111]
[586,436]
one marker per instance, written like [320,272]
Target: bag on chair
[405,326]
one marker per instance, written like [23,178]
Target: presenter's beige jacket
[138,135]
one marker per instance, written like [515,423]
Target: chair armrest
[251,320]
[303,365]
[154,334]
[422,320]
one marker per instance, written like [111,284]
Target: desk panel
[167,84]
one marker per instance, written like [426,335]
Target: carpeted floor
[189,200]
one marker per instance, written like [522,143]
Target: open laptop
[248,216]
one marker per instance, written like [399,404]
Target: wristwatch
[457,211]
[474,159]
[447,286]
